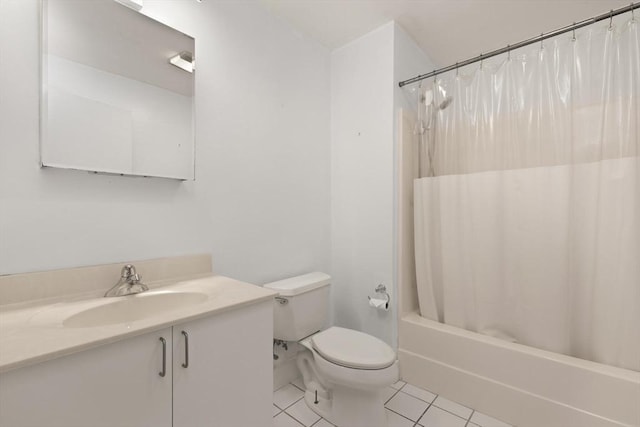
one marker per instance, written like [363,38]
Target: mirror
[117,91]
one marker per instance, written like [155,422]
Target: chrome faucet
[128,284]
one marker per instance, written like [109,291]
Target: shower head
[444,104]
[427,97]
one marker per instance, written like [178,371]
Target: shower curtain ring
[481,61]
[633,14]
[541,41]
[574,32]
[457,74]
[508,52]
[611,20]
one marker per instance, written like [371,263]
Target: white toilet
[344,371]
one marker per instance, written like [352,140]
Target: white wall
[364,97]
[260,202]
[409,61]
[362,180]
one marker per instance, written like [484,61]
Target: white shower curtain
[529,229]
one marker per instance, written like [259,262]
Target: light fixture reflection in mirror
[133,4]
[184,60]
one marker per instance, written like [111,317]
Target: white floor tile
[407,406]
[301,412]
[276,410]
[286,396]
[436,417]
[284,420]
[484,420]
[387,393]
[298,383]
[398,385]
[453,407]
[396,420]
[323,423]
[421,394]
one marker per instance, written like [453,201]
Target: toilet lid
[353,349]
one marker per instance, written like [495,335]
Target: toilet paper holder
[382,291]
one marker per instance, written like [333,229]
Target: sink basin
[132,308]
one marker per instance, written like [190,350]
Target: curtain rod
[537,39]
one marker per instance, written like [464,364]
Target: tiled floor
[407,406]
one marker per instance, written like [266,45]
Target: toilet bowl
[344,371]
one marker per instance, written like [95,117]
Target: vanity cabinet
[113,385]
[226,380]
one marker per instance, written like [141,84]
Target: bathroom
[299,163]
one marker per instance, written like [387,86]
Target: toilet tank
[302,306]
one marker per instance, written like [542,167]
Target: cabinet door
[229,378]
[112,385]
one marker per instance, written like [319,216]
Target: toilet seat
[353,349]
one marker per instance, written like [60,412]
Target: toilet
[344,371]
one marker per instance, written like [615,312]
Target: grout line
[470,424]
[291,416]
[398,413]
[297,387]
[462,418]
[422,400]
[298,419]
[325,420]
[432,403]
[301,397]
[297,400]
[425,411]
[392,396]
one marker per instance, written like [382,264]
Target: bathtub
[522,385]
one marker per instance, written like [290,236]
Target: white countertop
[26,339]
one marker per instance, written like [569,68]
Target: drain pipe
[279,343]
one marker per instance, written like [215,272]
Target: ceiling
[447,30]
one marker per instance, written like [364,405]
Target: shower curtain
[528,223]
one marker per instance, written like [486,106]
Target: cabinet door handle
[186,349]
[164,357]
